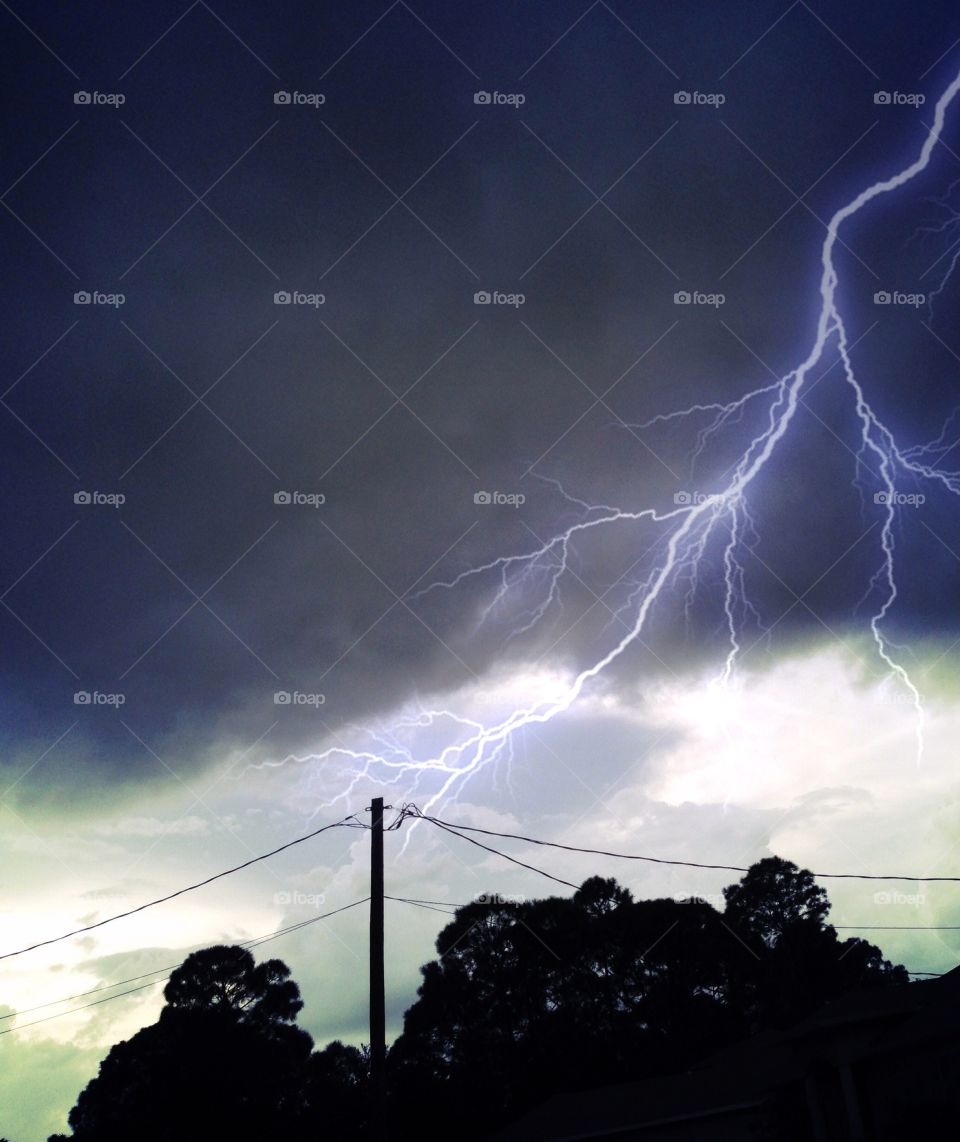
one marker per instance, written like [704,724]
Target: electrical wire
[412,811]
[181,891]
[451,827]
[421,904]
[83,1006]
[254,942]
[897,927]
[530,867]
[439,903]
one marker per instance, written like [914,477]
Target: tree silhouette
[335,1092]
[554,994]
[228,979]
[773,897]
[528,999]
[780,912]
[222,1061]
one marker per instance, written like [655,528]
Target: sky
[313,310]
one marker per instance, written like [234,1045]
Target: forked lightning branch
[715,525]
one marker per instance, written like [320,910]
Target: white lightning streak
[687,530]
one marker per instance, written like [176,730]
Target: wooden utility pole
[378,1037]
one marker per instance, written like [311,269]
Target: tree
[798,963]
[523,1001]
[773,897]
[526,1000]
[227,978]
[335,1091]
[223,1060]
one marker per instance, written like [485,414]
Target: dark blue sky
[398,198]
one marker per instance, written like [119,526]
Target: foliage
[524,1000]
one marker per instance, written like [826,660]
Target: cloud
[154,827]
[39,1082]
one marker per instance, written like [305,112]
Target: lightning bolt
[451,748]
[948,228]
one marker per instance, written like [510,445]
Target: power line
[182,891]
[258,940]
[897,927]
[254,942]
[447,904]
[83,1006]
[439,903]
[420,904]
[460,831]
[530,867]
[82,994]
[838,927]
[449,826]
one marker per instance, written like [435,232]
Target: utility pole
[378,1039]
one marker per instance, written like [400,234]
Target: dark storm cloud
[397,199]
